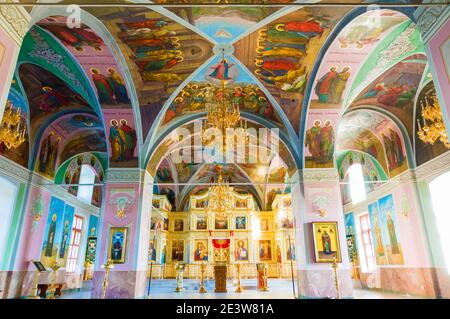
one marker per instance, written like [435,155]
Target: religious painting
[152,251]
[241,250]
[91,249]
[48,152]
[331,85]
[320,138]
[279,256]
[166,224]
[350,233]
[241,222]
[201,250]
[241,203]
[283,53]
[163,52]
[48,95]
[53,231]
[95,58]
[290,250]
[122,137]
[326,242]
[346,54]
[425,151]
[66,231]
[389,223]
[201,203]
[178,250]
[393,145]
[264,224]
[202,223]
[178,225]
[265,250]
[93,225]
[377,234]
[394,91]
[221,223]
[221,250]
[117,244]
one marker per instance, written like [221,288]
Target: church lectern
[220,276]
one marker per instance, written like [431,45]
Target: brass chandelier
[12,134]
[221,201]
[433,127]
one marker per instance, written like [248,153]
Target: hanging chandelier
[223,115]
[221,201]
[433,127]
[12,134]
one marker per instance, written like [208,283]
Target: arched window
[8,193]
[86,188]
[439,198]
[356,181]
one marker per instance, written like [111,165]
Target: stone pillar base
[121,284]
[320,283]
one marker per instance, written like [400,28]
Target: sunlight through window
[86,188]
[356,179]
[439,198]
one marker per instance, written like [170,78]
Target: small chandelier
[221,202]
[433,128]
[12,134]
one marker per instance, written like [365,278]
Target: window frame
[75,243]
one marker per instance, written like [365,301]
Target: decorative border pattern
[16,19]
[429,19]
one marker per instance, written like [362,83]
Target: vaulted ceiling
[128,77]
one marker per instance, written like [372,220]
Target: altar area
[247,237]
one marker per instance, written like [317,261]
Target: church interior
[229,149]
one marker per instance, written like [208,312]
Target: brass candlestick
[336,279]
[52,290]
[239,288]
[180,270]
[107,266]
[202,278]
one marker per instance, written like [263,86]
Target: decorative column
[124,234]
[434,25]
[316,198]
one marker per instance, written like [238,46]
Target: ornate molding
[15,20]
[14,170]
[433,168]
[429,19]
[318,175]
[125,175]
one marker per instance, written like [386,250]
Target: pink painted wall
[114,191]
[412,233]
[31,240]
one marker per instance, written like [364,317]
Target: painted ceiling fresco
[327,86]
[395,91]
[160,54]
[283,52]
[375,134]
[205,88]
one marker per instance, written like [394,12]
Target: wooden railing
[248,270]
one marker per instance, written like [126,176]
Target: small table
[42,289]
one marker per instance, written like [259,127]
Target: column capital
[430,19]
[14,19]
